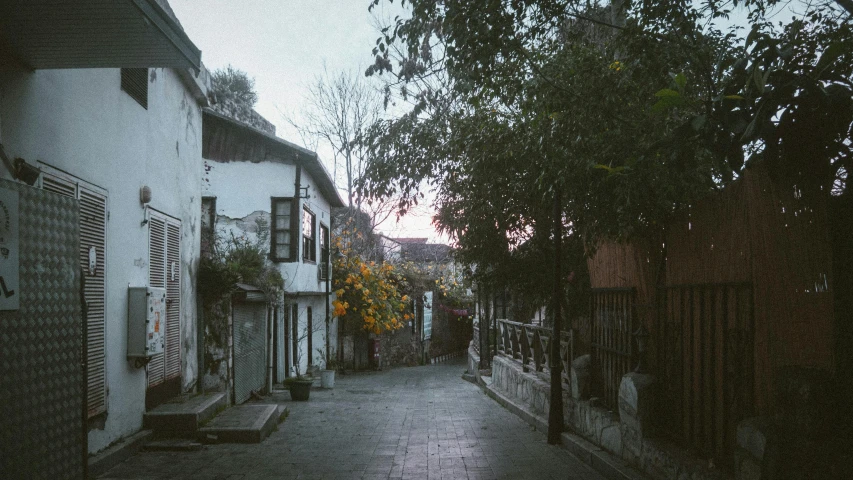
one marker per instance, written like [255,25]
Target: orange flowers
[368,292]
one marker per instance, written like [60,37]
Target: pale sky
[283,45]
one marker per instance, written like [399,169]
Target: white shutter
[93,236]
[164,271]
[173,300]
[156,278]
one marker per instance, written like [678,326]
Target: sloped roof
[225,139]
[47,34]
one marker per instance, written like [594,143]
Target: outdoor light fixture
[26,172]
[145,194]
[20,169]
[641,335]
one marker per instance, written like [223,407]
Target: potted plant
[299,386]
[327,375]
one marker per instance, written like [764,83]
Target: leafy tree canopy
[633,110]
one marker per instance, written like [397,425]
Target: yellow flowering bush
[368,293]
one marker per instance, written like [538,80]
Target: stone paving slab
[407,423]
[250,423]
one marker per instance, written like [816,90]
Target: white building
[249,173]
[106,101]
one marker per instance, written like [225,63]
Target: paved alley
[422,422]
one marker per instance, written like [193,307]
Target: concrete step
[183,416]
[248,423]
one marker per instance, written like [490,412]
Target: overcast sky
[283,44]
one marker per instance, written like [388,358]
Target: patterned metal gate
[42,432]
[250,334]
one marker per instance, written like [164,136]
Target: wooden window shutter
[93,239]
[164,271]
[295,222]
[134,81]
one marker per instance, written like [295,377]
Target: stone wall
[628,437]
[400,348]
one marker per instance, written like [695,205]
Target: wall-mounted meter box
[146,321]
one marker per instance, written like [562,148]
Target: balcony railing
[530,345]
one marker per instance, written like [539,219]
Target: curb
[600,460]
[112,456]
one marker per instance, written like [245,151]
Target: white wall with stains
[244,192]
[82,123]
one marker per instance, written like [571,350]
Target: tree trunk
[555,412]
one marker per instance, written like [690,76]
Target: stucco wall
[81,122]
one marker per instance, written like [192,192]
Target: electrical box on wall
[146,322]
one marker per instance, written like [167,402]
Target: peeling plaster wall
[243,192]
[81,122]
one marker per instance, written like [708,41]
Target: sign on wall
[9,251]
[427,315]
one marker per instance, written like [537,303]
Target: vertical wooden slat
[707,369]
[696,364]
[719,370]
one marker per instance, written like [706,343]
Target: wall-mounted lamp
[145,194]
[20,169]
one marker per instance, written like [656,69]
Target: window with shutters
[282,248]
[93,244]
[309,237]
[164,271]
[134,81]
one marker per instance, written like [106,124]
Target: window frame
[309,255]
[275,255]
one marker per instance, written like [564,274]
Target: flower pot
[327,378]
[300,390]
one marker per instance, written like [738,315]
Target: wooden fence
[530,345]
[705,363]
[611,341]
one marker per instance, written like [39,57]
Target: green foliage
[632,114]
[233,85]
[239,259]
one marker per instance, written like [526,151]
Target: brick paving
[418,423]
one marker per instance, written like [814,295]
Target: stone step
[183,416]
[248,423]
